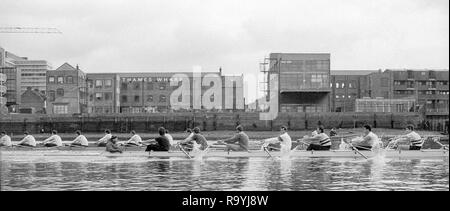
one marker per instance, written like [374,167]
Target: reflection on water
[228,174]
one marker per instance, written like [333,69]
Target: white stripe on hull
[219,153]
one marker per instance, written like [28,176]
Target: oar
[267,151]
[354,148]
[442,145]
[223,143]
[181,148]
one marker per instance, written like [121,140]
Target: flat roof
[352,72]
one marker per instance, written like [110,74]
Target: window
[91,97]
[60,80]
[162,86]
[51,79]
[124,86]
[350,85]
[108,96]
[149,98]
[108,83]
[98,83]
[162,98]
[60,92]
[343,85]
[69,79]
[137,86]
[149,86]
[60,109]
[124,98]
[90,84]
[337,96]
[51,95]
[136,98]
[98,96]
[337,85]
[410,84]
[349,96]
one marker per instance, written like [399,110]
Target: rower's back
[200,139]
[163,142]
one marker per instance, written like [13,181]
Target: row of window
[137,98]
[422,92]
[351,85]
[60,79]
[421,83]
[52,95]
[33,74]
[342,96]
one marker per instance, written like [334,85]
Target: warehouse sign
[149,79]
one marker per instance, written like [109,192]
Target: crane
[29,30]
[16,29]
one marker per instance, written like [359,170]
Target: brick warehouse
[151,92]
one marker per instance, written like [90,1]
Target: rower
[162,143]
[196,138]
[284,141]
[53,141]
[319,142]
[369,140]
[411,140]
[239,142]
[102,142]
[184,143]
[333,132]
[5,140]
[80,140]
[169,137]
[112,146]
[27,141]
[135,140]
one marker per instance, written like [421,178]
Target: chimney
[78,67]
[220,70]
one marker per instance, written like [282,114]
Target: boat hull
[139,152]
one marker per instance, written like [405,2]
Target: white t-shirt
[370,139]
[54,139]
[105,138]
[136,139]
[170,138]
[81,139]
[5,140]
[413,136]
[285,142]
[29,139]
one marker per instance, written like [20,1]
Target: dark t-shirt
[163,142]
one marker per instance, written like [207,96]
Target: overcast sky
[169,35]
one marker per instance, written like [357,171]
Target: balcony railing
[437,110]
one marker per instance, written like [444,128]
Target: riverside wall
[149,122]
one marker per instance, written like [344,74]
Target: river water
[231,174]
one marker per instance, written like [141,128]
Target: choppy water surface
[226,174]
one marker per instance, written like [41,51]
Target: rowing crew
[320,141]
[53,141]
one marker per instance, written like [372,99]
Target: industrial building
[303,78]
[154,92]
